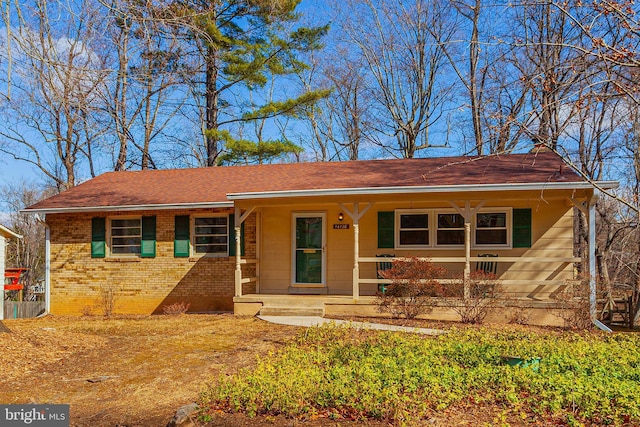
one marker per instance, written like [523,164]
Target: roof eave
[331,192]
[8,233]
[423,189]
[129,208]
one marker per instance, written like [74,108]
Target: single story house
[307,236]
[5,234]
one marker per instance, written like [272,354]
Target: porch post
[356,215]
[467,261]
[467,213]
[356,251]
[238,271]
[592,256]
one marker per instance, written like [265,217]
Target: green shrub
[402,378]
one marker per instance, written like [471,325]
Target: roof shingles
[211,185]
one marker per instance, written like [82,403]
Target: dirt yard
[127,371]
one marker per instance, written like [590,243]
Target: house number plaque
[340,226]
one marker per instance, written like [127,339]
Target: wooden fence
[24,309]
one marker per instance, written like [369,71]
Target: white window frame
[397,220]
[437,212]
[192,240]
[110,236]
[433,228]
[508,225]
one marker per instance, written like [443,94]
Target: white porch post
[239,218]
[356,255]
[589,210]
[467,213]
[467,256]
[238,273]
[355,216]
[592,257]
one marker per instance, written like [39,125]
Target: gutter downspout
[47,267]
[47,263]
[591,217]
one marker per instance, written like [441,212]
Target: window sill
[452,248]
[122,259]
[201,257]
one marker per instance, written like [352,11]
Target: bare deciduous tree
[401,45]
[140,95]
[49,117]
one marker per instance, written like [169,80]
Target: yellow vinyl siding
[276,259]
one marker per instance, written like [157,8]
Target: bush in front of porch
[414,281]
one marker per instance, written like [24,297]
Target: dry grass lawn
[137,371]
[133,371]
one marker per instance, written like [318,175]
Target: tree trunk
[212,99]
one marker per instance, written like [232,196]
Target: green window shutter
[181,242]
[232,236]
[98,237]
[522,228]
[148,244]
[386,229]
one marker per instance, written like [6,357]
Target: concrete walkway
[308,321]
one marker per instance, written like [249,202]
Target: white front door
[309,258]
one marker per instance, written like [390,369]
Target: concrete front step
[292,311]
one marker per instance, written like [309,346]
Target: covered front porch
[349,246]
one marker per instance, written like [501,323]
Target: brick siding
[140,285]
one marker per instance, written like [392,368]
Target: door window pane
[309,232]
[309,266]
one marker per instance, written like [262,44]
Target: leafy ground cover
[341,374]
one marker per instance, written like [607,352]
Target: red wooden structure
[12,278]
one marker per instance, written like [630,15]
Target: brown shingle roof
[211,185]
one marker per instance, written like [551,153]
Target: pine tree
[243,45]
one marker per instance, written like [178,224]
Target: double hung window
[126,236]
[211,235]
[413,229]
[433,228]
[491,229]
[450,229]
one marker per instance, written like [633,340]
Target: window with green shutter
[232,237]
[181,245]
[522,228]
[148,243]
[386,229]
[125,236]
[98,237]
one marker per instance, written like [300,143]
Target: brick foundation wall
[139,285]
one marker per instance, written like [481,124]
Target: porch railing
[563,261]
[242,280]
